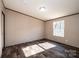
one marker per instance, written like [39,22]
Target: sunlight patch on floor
[32,50]
[37,48]
[47,45]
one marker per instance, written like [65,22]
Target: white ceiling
[54,8]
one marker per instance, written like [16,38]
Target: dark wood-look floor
[58,51]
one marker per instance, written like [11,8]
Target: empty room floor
[39,49]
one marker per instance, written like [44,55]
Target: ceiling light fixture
[42,8]
[25,1]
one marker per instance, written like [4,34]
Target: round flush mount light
[42,9]
[25,1]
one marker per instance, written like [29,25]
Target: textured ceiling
[54,8]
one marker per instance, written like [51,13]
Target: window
[58,28]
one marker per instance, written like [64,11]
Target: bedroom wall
[1,26]
[71,31]
[21,28]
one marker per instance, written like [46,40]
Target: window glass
[58,28]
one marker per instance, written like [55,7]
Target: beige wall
[21,28]
[1,33]
[71,31]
